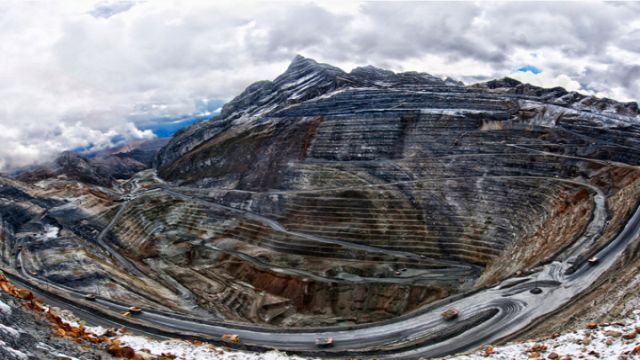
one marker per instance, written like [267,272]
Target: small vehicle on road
[536,291]
[90,297]
[450,314]
[231,338]
[593,260]
[324,342]
[135,310]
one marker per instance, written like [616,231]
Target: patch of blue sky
[163,122]
[167,127]
[529,68]
[107,9]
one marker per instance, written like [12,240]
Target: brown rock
[594,353]
[630,335]
[613,333]
[122,352]
[553,356]
[538,348]
[24,294]
[488,350]
[232,338]
[592,325]
[450,314]
[533,355]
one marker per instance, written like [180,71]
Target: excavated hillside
[333,198]
[482,182]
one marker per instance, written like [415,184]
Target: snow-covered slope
[619,340]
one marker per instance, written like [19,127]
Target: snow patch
[5,309]
[16,354]
[9,331]
[51,232]
[190,351]
[456,112]
[299,81]
[606,341]
[69,318]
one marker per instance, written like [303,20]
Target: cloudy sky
[82,73]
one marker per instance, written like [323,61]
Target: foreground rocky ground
[31,330]
[26,333]
[616,340]
[23,335]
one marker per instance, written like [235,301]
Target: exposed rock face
[371,142]
[559,96]
[496,177]
[305,79]
[392,102]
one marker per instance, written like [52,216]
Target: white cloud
[73,73]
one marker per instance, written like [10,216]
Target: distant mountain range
[102,167]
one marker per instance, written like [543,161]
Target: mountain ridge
[304,79]
[307,80]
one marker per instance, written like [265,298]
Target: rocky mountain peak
[71,159]
[559,96]
[308,80]
[372,73]
[305,79]
[300,62]
[377,77]
[505,82]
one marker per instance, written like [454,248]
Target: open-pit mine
[338,214]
